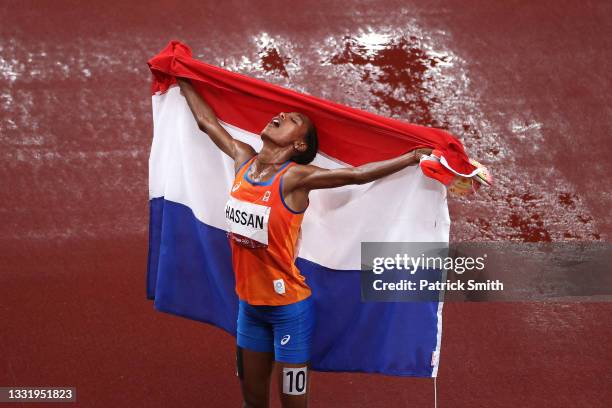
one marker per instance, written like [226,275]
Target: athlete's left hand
[418,153]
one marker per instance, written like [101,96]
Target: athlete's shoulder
[297,174]
[302,170]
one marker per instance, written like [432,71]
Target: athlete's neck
[270,157]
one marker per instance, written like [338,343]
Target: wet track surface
[525,86]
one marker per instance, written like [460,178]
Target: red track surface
[525,85]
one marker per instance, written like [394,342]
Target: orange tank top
[264,236]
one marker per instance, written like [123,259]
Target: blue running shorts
[285,330]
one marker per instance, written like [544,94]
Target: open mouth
[275,122]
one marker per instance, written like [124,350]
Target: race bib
[247,222]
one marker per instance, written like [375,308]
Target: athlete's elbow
[359,176]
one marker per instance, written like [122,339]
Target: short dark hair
[312,146]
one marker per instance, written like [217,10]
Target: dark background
[524,84]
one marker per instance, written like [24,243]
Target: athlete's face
[287,128]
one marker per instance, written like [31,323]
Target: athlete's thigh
[293,327]
[293,384]
[254,356]
[292,348]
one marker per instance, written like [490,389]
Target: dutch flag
[189,267]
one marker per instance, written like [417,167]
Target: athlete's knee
[254,403]
[294,384]
[295,379]
[254,394]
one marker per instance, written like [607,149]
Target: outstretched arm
[300,180]
[313,177]
[208,122]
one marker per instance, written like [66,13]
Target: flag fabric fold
[189,266]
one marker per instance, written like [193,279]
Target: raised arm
[208,122]
[300,180]
[313,177]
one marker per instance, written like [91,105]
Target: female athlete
[264,213]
